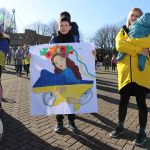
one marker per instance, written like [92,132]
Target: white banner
[62,79]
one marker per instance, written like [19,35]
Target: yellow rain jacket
[128,70]
[2,58]
[26,60]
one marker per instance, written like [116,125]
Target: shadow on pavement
[107,89]
[90,142]
[109,83]
[109,125]
[107,72]
[8,100]
[130,135]
[104,120]
[116,101]
[10,72]
[18,137]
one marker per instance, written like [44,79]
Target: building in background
[30,37]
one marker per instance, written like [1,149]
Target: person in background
[37,43]
[113,62]
[96,62]
[131,81]
[19,61]
[27,60]
[8,57]
[100,60]
[107,62]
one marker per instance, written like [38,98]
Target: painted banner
[62,79]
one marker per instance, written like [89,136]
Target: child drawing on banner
[66,79]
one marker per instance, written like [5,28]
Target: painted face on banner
[60,62]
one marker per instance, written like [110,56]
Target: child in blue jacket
[64,36]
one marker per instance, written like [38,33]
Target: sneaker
[140,139]
[72,127]
[118,131]
[59,128]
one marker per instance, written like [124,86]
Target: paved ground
[24,132]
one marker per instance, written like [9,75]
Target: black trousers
[27,69]
[1,69]
[19,69]
[141,103]
[113,66]
[71,118]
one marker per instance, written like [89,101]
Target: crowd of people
[22,60]
[108,60]
[130,78]
[8,56]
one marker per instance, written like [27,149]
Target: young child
[64,36]
[74,27]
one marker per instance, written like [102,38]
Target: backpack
[75,30]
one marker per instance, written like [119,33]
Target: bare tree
[36,27]
[44,29]
[105,37]
[53,27]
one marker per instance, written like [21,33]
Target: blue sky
[90,15]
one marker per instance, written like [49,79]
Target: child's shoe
[59,127]
[72,127]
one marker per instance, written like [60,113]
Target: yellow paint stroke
[69,91]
